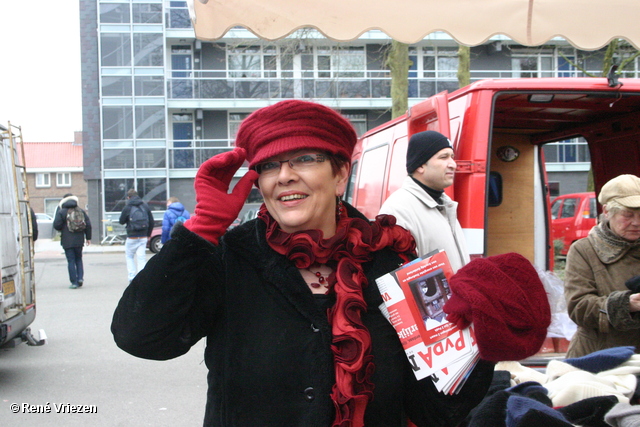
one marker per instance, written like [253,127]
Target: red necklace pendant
[322,280]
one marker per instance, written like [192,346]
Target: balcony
[205,87]
[194,84]
[191,154]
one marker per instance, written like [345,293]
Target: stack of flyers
[414,296]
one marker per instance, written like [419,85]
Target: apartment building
[157,102]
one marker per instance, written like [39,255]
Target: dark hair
[67,195]
[337,162]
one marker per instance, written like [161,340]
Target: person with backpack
[139,224]
[75,227]
[175,213]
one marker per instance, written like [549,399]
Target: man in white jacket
[421,205]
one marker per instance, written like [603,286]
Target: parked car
[154,243]
[45,226]
[572,216]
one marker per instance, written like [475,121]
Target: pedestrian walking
[139,224]
[175,213]
[75,229]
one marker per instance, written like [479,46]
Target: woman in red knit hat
[288,302]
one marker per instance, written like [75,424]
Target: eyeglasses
[299,163]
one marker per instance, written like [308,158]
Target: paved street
[81,365]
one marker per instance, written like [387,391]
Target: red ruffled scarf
[353,244]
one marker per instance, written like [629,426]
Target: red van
[498,129]
[572,216]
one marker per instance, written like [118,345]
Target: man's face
[439,171]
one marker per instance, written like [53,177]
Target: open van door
[431,114]
[614,146]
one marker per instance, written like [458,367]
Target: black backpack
[75,220]
[138,218]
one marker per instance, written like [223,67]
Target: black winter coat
[268,339]
[124,217]
[67,238]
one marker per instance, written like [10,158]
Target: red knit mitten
[216,208]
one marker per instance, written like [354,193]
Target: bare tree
[464,65]
[399,64]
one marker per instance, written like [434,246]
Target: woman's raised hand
[216,208]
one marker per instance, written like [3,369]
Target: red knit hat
[503,297]
[294,125]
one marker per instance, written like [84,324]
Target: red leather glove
[216,208]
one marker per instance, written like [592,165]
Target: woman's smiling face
[303,197]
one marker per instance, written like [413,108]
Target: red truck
[498,128]
[572,217]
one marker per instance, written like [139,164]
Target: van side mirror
[495,189]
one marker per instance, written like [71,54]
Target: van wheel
[155,245]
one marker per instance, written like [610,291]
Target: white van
[17,295]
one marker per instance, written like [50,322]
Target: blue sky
[40,68]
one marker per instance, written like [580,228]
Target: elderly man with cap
[421,205]
[602,274]
[288,302]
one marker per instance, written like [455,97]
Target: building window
[358,121]
[50,206]
[152,190]
[245,62]
[574,150]
[149,85]
[440,62]
[63,180]
[181,65]
[43,180]
[120,158]
[150,158]
[532,63]
[150,122]
[234,123]
[114,13]
[333,62]
[567,59]
[148,50]
[147,13]
[116,86]
[433,70]
[115,50]
[117,122]
[115,193]
[178,16]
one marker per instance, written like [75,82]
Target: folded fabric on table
[623,415]
[602,360]
[578,385]
[589,412]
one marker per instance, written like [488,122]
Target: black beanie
[422,146]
